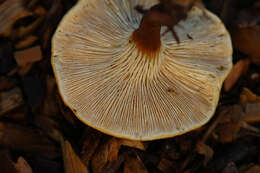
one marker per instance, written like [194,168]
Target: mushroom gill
[114,87]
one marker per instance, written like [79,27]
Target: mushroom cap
[113,87]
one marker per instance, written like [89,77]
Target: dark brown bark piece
[19,138]
[72,163]
[28,56]
[9,100]
[134,165]
[107,153]
[6,56]
[22,166]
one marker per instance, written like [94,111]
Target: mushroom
[130,85]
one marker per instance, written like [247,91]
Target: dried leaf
[238,69]
[22,166]
[72,163]
[28,56]
[134,144]
[108,152]
[248,96]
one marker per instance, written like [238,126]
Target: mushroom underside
[112,86]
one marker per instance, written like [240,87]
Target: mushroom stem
[147,36]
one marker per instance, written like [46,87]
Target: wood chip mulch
[39,134]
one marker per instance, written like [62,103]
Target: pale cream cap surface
[112,87]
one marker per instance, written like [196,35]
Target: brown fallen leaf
[134,144]
[28,56]
[248,96]
[108,152]
[72,163]
[115,166]
[134,165]
[9,100]
[238,69]
[22,166]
